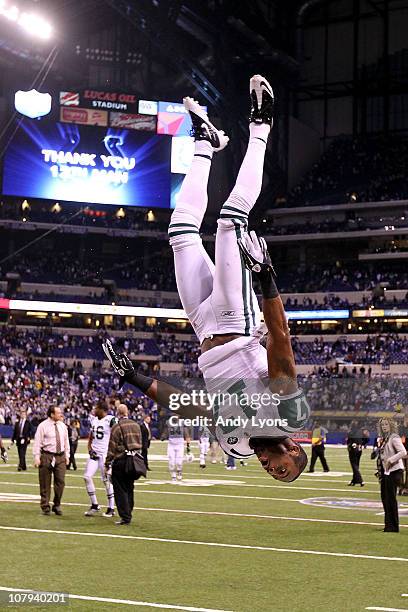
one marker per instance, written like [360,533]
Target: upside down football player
[223,309]
[3,451]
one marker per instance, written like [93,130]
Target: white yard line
[128,602]
[142,490]
[240,475]
[360,490]
[388,609]
[210,544]
[210,513]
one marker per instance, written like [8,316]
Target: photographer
[389,454]
[125,440]
[403,490]
[355,449]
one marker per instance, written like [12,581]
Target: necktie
[57,440]
[21,428]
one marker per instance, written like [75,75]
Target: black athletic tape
[269,289]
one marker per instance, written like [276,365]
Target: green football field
[221,540]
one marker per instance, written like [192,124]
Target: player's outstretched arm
[281,362]
[159,391]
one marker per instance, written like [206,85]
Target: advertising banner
[84,116]
[143,123]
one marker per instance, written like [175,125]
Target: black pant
[389,486]
[72,450]
[355,456]
[318,451]
[123,486]
[144,452]
[22,450]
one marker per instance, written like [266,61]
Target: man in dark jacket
[22,437]
[146,437]
[73,435]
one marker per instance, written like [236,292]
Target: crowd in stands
[35,373]
[374,168]
[381,349]
[330,225]
[45,344]
[35,385]
[66,269]
[343,277]
[358,390]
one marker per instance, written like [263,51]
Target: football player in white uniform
[204,444]
[177,436]
[259,404]
[3,451]
[98,442]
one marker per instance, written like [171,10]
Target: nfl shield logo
[32,103]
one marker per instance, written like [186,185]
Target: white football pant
[92,466]
[218,299]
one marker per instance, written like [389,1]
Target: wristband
[268,286]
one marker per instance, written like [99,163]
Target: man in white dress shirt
[51,456]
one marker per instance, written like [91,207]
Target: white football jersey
[236,375]
[101,431]
[176,433]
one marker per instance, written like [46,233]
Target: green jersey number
[296,411]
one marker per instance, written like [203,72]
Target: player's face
[279,460]
[99,413]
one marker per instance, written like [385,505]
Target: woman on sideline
[391,451]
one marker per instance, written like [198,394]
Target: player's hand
[37,463]
[67,462]
[93,454]
[255,253]
[120,362]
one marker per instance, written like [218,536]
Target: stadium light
[30,22]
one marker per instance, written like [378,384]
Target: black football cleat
[262,100]
[120,362]
[202,128]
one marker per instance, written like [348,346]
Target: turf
[185,573]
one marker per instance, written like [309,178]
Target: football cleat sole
[202,128]
[262,100]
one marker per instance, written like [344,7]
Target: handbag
[134,466]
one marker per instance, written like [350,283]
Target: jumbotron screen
[82,163]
